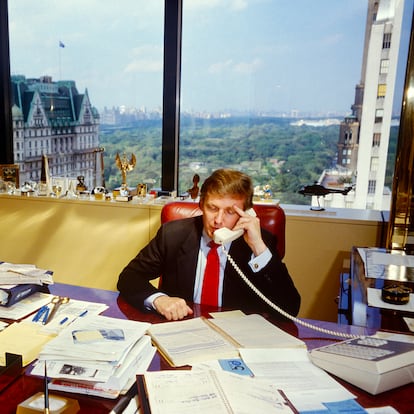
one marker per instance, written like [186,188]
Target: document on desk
[254,331]
[11,274]
[24,339]
[190,341]
[306,386]
[198,340]
[187,392]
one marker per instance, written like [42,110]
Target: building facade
[364,135]
[54,119]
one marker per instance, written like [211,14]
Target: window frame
[171,91]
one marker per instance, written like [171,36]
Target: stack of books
[96,355]
[17,281]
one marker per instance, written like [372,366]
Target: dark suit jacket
[173,254]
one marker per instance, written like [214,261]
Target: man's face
[218,212]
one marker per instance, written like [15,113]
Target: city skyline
[265,55]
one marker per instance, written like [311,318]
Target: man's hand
[172,308]
[251,227]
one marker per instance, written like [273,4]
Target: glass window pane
[110,52]
[266,88]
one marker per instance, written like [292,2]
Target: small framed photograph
[10,172]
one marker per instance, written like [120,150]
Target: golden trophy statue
[125,166]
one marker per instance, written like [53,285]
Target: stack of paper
[18,281]
[18,274]
[97,355]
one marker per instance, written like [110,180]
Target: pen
[124,400]
[39,313]
[46,315]
[46,393]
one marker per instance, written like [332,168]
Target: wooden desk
[402,399]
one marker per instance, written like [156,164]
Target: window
[376,139]
[240,107]
[386,41]
[385,63]
[382,89]
[371,186]
[374,164]
[379,113]
[256,68]
[114,60]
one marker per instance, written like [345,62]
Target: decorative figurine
[194,190]
[141,190]
[80,185]
[125,166]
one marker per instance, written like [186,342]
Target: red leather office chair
[272,218]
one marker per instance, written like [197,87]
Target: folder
[15,293]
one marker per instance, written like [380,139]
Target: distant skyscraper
[53,119]
[364,135]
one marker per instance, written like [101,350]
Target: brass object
[141,190]
[400,235]
[125,166]
[396,294]
[80,186]
[10,173]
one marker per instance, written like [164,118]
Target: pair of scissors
[55,303]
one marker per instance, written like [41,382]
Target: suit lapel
[187,259]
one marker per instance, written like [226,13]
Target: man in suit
[179,251]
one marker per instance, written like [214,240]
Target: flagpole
[61,46]
[60,64]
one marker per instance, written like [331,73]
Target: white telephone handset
[224,235]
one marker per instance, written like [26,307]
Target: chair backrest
[272,218]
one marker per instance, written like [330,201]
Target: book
[209,391]
[11,294]
[198,340]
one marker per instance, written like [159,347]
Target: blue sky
[266,55]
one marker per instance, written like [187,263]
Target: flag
[61,44]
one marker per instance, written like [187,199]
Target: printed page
[95,338]
[247,395]
[305,385]
[183,392]
[190,341]
[254,331]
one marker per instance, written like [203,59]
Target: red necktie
[209,293]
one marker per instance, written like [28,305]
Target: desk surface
[402,399]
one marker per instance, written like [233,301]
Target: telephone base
[373,383]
